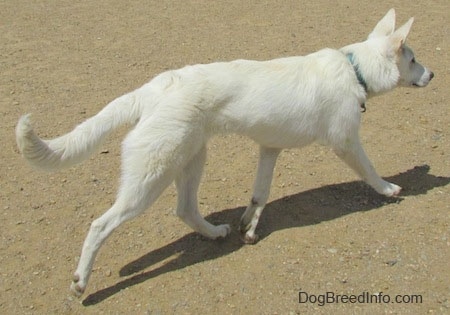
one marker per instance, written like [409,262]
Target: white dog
[281,103]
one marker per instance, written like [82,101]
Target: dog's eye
[413,60]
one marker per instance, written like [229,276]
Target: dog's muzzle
[425,79]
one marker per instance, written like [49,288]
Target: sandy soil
[323,230]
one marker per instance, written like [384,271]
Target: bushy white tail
[81,142]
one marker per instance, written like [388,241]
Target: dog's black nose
[431,75]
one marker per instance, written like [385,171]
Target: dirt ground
[323,229]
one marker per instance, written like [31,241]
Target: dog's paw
[392,190]
[248,238]
[223,230]
[76,286]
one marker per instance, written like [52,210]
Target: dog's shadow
[302,209]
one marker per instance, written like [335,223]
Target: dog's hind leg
[261,190]
[353,154]
[147,169]
[187,184]
[134,198]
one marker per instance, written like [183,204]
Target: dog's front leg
[353,154]
[261,190]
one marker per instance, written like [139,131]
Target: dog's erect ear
[385,26]
[398,38]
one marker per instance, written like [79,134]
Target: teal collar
[359,76]
[361,80]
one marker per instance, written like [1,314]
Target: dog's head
[411,73]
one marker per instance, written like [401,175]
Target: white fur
[281,103]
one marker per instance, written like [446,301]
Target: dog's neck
[360,78]
[358,73]
[376,72]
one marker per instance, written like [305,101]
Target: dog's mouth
[423,82]
[420,84]
[410,84]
